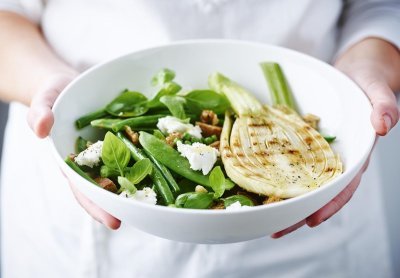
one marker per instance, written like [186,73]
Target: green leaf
[169,89]
[194,200]
[106,172]
[229,184]
[115,154]
[162,77]
[127,185]
[217,181]
[139,171]
[175,105]
[199,100]
[243,200]
[128,104]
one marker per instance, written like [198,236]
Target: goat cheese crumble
[170,124]
[200,156]
[236,206]
[91,156]
[147,195]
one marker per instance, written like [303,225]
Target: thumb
[40,117]
[385,113]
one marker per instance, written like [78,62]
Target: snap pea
[157,177]
[117,124]
[166,173]
[171,158]
[86,119]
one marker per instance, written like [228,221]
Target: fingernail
[388,122]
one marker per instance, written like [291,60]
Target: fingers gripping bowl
[317,88]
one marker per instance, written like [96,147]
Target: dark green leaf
[243,200]
[128,104]
[217,181]
[175,105]
[200,100]
[114,153]
[139,171]
[127,185]
[162,77]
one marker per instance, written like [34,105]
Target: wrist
[372,58]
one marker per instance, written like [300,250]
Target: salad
[215,148]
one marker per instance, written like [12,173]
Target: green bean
[78,170]
[171,158]
[329,138]
[80,144]
[157,177]
[117,124]
[86,119]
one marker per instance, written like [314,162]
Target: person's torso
[87,32]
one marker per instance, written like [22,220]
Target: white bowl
[318,89]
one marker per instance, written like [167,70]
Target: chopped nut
[72,156]
[208,130]
[209,117]
[200,189]
[271,199]
[133,136]
[312,120]
[215,145]
[170,139]
[218,205]
[106,184]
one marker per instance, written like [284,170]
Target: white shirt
[46,233]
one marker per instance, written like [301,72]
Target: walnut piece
[209,117]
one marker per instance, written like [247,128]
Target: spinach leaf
[217,181]
[139,171]
[175,104]
[127,185]
[162,77]
[194,200]
[128,104]
[199,100]
[115,154]
[169,89]
[243,200]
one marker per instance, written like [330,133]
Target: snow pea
[157,177]
[171,158]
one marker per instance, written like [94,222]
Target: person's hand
[41,119]
[374,65]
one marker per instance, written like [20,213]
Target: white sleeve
[31,9]
[369,18]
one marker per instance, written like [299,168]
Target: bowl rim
[354,169]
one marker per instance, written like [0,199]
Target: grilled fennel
[270,150]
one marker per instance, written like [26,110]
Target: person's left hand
[374,65]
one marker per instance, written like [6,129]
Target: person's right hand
[41,119]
